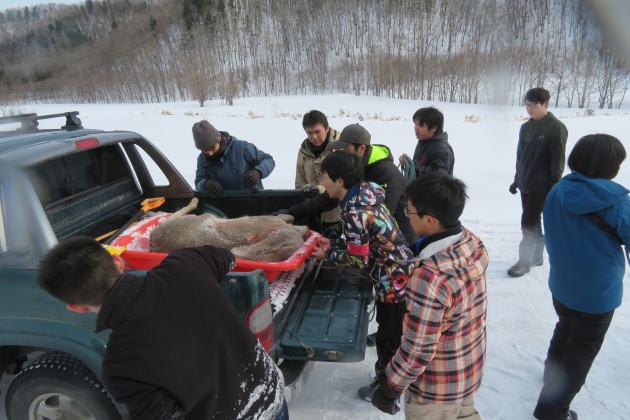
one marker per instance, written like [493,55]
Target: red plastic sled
[145,260]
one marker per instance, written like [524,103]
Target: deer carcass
[257,238]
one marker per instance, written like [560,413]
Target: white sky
[520,313]
[9,4]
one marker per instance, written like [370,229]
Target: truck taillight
[260,321]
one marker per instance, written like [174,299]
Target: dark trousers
[577,339]
[533,205]
[389,317]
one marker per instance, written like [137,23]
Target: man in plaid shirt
[440,362]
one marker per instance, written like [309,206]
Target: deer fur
[257,238]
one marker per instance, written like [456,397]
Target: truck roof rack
[29,122]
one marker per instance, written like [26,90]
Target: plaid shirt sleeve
[426,303]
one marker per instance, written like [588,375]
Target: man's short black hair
[538,95]
[597,156]
[345,165]
[78,271]
[440,195]
[430,116]
[313,117]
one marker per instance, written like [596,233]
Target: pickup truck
[58,183]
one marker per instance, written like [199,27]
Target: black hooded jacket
[434,154]
[178,345]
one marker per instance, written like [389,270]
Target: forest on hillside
[468,51]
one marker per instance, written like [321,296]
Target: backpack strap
[603,225]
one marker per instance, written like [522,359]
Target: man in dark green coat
[539,165]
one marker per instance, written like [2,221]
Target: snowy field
[484,139]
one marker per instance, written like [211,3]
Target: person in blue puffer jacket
[587,266]
[227,163]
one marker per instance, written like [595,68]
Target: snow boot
[572,415]
[525,255]
[366,392]
[371,340]
[539,251]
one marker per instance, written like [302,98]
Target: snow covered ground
[520,314]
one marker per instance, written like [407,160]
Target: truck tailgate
[330,318]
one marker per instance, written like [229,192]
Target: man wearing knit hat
[227,163]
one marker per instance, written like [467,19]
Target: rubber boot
[525,255]
[539,251]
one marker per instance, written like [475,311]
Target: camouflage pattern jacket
[372,242]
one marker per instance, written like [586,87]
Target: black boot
[539,251]
[371,340]
[525,255]
[366,392]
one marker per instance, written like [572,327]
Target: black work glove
[309,188]
[385,398]
[513,188]
[334,232]
[252,177]
[279,212]
[212,187]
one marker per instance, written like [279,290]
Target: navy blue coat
[239,157]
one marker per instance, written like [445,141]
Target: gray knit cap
[205,135]
[352,134]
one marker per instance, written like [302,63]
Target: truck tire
[296,373]
[58,386]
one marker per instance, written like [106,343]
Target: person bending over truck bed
[227,163]
[178,347]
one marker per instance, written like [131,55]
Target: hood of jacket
[443,136]
[364,194]
[378,152]
[578,194]
[459,255]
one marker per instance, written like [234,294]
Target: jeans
[577,339]
[284,413]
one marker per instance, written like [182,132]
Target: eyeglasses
[406,212]
[530,104]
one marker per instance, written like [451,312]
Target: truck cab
[55,184]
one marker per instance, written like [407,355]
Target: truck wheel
[296,373]
[57,386]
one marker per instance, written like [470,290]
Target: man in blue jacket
[227,163]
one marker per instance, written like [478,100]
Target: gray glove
[513,188]
[309,188]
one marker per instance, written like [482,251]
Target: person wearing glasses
[371,242]
[440,362]
[539,166]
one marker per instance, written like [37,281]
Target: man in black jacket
[433,153]
[178,348]
[379,168]
[539,166]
